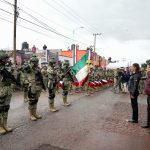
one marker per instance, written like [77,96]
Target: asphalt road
[94,122]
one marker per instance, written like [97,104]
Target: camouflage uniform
[142,81]
[87,88]
[36,85]
[6,78]
[66,75]
[45,75]
[52,84]
[100,74]
[23,78]
[14,73]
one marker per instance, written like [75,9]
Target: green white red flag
[81,70]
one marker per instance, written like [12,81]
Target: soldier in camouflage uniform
[23,79]
[96,76]
[142,81]
[45,75]
[6,78]
[36,85]
[67,77]
[100,74]
[96,73]
[90,76]
[52,83]
[58,70]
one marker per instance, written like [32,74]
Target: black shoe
[145,126]
[132,121]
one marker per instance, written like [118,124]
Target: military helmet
[3,55]
[34,59]
[66,63]
[52,60]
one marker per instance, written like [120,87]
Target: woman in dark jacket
[134,91]
[147,92]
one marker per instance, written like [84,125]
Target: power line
[41,33]
[62,13]
[34,12]
[72,14]
[76,14]
[44,28]
[6,2]
[45,17]
[37,20]
[75,19]
[40,22]
[35,24]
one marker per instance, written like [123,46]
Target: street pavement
[95,122]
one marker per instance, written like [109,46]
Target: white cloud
[124,25]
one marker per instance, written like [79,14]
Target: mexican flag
[80,69]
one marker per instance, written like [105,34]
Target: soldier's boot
[38,116]
[32,117]
[2,129]
[92,91]
[8,129]
[25,97]
[65,101]
[87,92]
[51,106]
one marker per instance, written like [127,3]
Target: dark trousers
[134,105]
[148,110]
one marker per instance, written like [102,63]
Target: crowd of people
[121,80]
[33,80]
[134,81]
[57,75]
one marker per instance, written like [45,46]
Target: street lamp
[74,32]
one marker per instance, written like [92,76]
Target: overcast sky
[124,25]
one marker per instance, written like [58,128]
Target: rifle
[7,75]
[68,71]
[39,77]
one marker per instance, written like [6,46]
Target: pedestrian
[147,92]
[45,75]
[52,84]
[67,77]
[23,79]
[6,78]
[36,85]
[125,79]
[142,81]
[133,88]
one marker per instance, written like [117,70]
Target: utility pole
[15,25]
[95,34]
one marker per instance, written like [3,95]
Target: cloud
[124,25]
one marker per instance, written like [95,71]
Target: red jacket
[147,86]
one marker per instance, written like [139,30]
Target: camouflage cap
[66,62]
[34,59]
[52,60]
[3,55]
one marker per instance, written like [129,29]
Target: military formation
[33,80]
